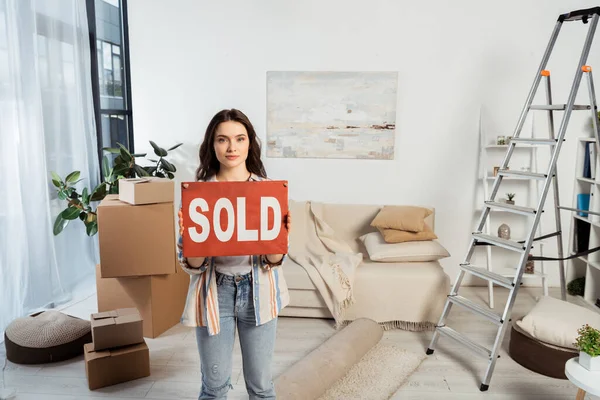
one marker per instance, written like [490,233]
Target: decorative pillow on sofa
[397,236]
[381,251]
[404,218]
[556,322]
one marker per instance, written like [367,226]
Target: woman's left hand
[288,221]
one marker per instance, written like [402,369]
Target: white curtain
[46,124]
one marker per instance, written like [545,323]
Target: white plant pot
[588,362]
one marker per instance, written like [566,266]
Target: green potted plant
[510,200]
[588,344]
[79,205]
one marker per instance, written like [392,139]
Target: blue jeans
[257,343]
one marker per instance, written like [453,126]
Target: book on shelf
[582,236]
[589,161]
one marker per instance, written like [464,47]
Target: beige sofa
[404,295]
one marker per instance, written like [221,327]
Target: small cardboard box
[136,240]
[121,327]
[147,190]
[160,299]
[109,367]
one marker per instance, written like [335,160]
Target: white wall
[189,59]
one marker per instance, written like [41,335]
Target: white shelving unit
[586,266]
[488,152]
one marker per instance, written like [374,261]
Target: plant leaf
[170,174]
[125,155]
[85,196]
[159,174]
[153,160]
[62,195]
[150,170]
[59,224]
[119,160]
[55,176]
[159,151]
[56,183]
[91,228]
[70,213]
[72,177]
[121,169]
[140,171]
[82,215]
[111,150]
[167,165]
[99,192]
[105,167]
[139,155]
[176,146]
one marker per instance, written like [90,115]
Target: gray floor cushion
[46,337]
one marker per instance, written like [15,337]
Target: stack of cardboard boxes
[138,259]
[118,352]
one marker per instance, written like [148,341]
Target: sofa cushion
[397,236]
[404,218]
[556,322]
[381,251]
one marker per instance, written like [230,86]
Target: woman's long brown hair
[209,164]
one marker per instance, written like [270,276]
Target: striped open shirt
[202,302]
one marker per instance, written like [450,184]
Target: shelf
[587,180]
[587,219]
[509,272]
[586,139]
[510,178]
[593,264]
[505,146]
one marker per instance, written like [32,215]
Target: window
[109,40]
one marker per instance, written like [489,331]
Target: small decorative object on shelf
[588,344]
[530,265]
[508,139]
[504,231]
[501,140]
[510,200]
[576,287]
[496,171]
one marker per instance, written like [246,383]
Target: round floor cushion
[46,337]
[537,356]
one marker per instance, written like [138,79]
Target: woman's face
[231,144]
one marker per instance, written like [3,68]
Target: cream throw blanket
[329,261]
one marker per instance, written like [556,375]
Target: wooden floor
[450,373]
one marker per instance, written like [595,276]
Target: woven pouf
[46,337]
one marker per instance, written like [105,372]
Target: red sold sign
[234,218]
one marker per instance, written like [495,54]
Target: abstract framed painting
[349,115]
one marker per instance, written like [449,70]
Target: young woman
[225,292]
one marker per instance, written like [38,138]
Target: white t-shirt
[233,265]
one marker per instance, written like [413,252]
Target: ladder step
[534,141]
[476,308]
[511,208]
[558,107]
[521,174]
[488,275]
[462,339]
[507,244]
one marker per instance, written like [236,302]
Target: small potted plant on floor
[510,200]
[588,344]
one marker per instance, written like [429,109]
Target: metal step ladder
[549,177]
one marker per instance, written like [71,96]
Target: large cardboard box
[136,240]
[116,328]
[147,190]
[160,298]
[109,367]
